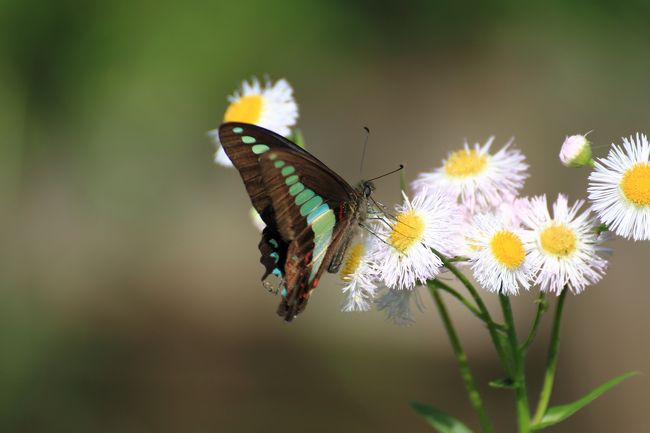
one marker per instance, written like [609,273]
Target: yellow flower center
[352,262]
[558,240]
[407,230]
[247,109]
[636,184]
[508,249]
[465,163]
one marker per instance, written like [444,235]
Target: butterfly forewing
[308,209]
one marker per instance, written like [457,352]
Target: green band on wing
[312,204]
[248,139]
[319,216]
[304,196]
[258,149]
[286,171]
[323,227]
[324,222]
[237,130]
[296,188]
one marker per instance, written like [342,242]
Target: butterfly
[311,213]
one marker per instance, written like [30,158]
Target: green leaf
[504,382]
[556,414]
[441,421]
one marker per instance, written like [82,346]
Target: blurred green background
[129,275]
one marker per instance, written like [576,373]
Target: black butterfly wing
[240,142]
[307,207]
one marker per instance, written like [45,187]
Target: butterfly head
[367,188]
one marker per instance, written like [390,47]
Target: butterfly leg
[373,233]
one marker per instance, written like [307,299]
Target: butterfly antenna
[363,152]
[401,167]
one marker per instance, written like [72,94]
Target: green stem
[402,180]
[551,363]
[439,284]
[541,309]
[521,398]
[456,259]
[463,365]
[493,328]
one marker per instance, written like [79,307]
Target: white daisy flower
[500,259]
[359,276]
[564,246]
[576,151]
[396,305]
[479,179]
[619,188]
[430,220]
[271,106]
[508,212]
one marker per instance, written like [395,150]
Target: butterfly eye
[368,188]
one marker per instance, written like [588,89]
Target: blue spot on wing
[317,212]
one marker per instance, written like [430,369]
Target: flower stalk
[493,328]
[463,364]
[447,288]
[542,306]
[519,378]
[551,363]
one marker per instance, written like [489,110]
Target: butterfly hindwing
[273,251]
[308,209]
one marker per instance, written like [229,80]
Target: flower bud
[576,151]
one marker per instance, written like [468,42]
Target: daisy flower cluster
[467,216]
[469,210]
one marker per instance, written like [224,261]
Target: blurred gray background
[129,275]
